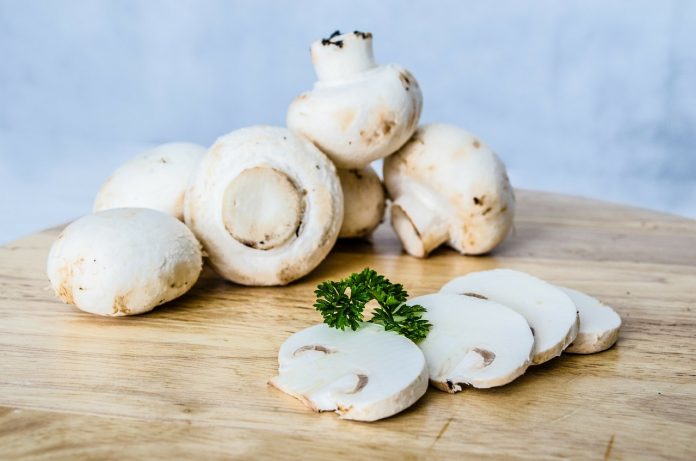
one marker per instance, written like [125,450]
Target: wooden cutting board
[189,379]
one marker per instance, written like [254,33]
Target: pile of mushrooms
[487,328]
[267,204]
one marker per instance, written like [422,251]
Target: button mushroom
[550,313]
[364,202]
[266,205]
[357,111]
[447,186]
[473,342]
[364,375]
[599,324]
[155,179]
[124,261]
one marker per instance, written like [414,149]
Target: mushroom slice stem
[473,342]
[420,228]
[599,324]
[364,375]
[549,311]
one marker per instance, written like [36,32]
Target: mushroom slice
[365,375]
[155,179]
[599,324]
[549,311]
[473,342]
[364,202]
[124,261]
[358,111]
[266,205]
[447,186]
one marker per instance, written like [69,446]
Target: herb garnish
[342,304]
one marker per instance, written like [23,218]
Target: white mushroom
[365,375]
[155,179]
[124,261]
[448,187]
[358,111]
[364,202]
[266,205]
[599,324]
[473,342]
[550,313]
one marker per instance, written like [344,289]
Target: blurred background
[591,98]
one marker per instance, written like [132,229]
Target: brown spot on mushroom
[476,143]
[363,35]
[120,305]
[405,80]
[475,295]
[313,347]
[356,173]
[486,211]
[345,118]
[163,160]
[362,382]
[532,330]
[385,124]
[343,410]
[479,200]
[487,356]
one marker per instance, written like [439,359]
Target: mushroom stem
[419,227]
[342,56]
[262,208]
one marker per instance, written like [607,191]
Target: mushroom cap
[549,311]
[473,341]
[357,112]
[266,205]
[364,202]
[599,324]
[457,177]
[364,375]
[155,179]
[123,261]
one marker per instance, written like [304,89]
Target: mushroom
[364,375]
[473,341]
[599,324]
[266,205]
[357,111]
[364,202]
[123,261]
[549,311]
[155,179]
[447,186]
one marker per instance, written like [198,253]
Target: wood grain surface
[190,378]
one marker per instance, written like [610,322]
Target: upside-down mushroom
[551,314]
[357,111]
[447,186]
[364,375]
[123,261]
[266,205]
[155,179]
[473,342]
[363,202]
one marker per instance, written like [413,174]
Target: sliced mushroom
[266,205]
[155,179]
[357,111]
[448,187]
[473,342]
[365,375]
[364,202]
[549,311]
[124,261]
[599,324]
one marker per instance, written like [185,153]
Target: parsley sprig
[342,304]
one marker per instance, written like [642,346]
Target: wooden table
[189,379]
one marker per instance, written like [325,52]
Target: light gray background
[593,98]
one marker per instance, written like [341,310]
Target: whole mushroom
[123,261]
[357,111]
[364,202]
[266,205]
[155,179]
[448,187]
